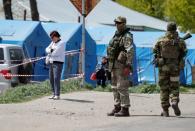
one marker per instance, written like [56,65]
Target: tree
[182,12]
[7,9]
[34,10]
[153,8]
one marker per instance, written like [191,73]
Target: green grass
[105,89]
[29,92]
[188,89]
[33,91]
[147,88]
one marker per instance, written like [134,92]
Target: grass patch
[29,92]
[145,88]
[32,91]
[151,88]
[188,89]
[103,89]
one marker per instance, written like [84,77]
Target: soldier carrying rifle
[169,53]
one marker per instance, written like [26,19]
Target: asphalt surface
[86,111]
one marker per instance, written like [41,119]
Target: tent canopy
[144,42]
[71,33]
[106,11]
[13,32]
[31,36]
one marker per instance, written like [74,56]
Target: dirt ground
[86,111]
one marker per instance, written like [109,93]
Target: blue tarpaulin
[34,38]
[71,34]
[144,42]
[190,59]
[31,36]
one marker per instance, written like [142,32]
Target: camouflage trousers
[120,84]
[169,86]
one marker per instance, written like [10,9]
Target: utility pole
[83,42]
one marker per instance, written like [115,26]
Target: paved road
[86,111]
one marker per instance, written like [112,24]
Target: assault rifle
[186,36]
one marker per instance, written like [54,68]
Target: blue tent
[31,36]
[190,59]
[16,32]
[102,35]
[144,42]
[71,35]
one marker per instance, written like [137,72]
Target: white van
[10,55]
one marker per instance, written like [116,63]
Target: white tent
[103,13]
[58,10]
[106,11]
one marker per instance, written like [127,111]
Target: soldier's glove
[126,71]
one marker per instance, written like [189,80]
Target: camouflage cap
[171,26]
[120,19]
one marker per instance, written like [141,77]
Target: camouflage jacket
[120,49]
[170,49]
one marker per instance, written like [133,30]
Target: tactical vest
[170,49]
[115,48]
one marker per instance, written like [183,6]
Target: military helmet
[171,26]
[120,19]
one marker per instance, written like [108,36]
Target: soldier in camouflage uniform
[169,53]
[120,54]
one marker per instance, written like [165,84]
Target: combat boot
[115,110]
[176,108]
[165,113]
[123,112]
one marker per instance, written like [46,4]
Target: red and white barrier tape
[31,59]
[72,52]
[74,78]
[27,62]
[20,75]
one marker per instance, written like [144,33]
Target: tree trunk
[7,9]
[34,10]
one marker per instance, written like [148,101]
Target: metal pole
[83,42]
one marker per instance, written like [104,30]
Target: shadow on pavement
[144,115]
[77,100]
[191,117]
